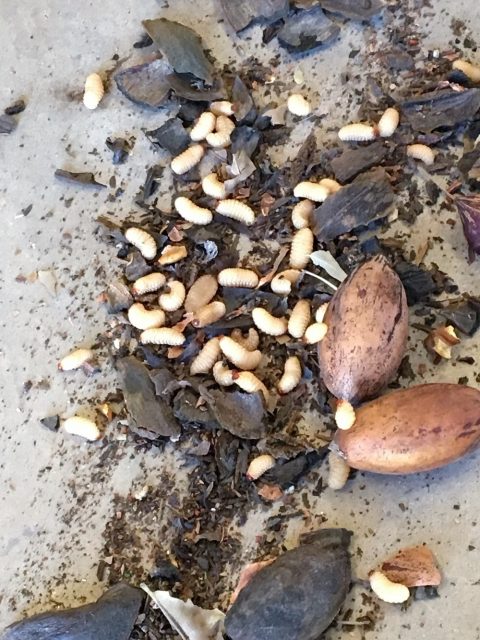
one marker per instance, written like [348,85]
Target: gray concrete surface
[56,495]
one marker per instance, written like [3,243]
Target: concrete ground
[56,494]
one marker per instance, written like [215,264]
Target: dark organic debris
[120,148]
[145,41]
[398,60]
[118,297]
[465,316]
[246,139]
[444,108]
[242,414]
[186,409]
[17,107]
[52,423]
[351,162]
[241,14]
[152,180]
[184,88]
[469,211]
[7,124]
[171,136]
[242,99]
[418,282]
[307,30]
[295,169]
[109,230]
[84,178]
[353,9]
[136,267]
[146,84]
[289,473]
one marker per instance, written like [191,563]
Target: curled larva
[302,247]
[320,312]
[358,132]
[298,105]
[75,359]
[208,356]
[302,214]
[315,333]
[238,278]
[260,465]
[238,355]
[192,212]
[142,318]
[222,374]
[174,297]
[252,340]
[148,283]
[421,152]
[388,122]
[236,210]
[222,108]
[312,191]
[300,319]
[344,415]
[292,374]
[83,427]
[224,125]
[94,91]
[338,471]
[201,292]
[386,590]
[172,253]
[332,185]
[143,241]
[248,381]
[219,139]
[163,335]
[470,70]
[266,323]
[209,314]
[187,159]
[213,187]
[283,281]
[204,125]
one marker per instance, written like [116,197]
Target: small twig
[314,275]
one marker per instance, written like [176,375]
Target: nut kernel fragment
[237,277]
[83,427]
[142,318]
[260,465]
[300,319]
[238,355]
[143,241]
[236,210]
[187,159]
[204,125]
[163,335]
[298,105]
[75,359]
[441,341]
[421,152]
[357,132]
[172,253]
[207,357]
[266,323]
[311,191]
[386,590]
[148,283]
[174,298]
[94,91]
[344,415]
[315,333]
[302,214]
[192,212]
[301,248]
[292,375]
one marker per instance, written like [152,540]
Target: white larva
[338,471]
[192,212]
[142,318]
[75,359]
[163,335]
[187,159]
[298,105]
[224,125]
[219,140]
[283,281]
[237,277]
[143,241]
[172,253]
[470,70]
[236,210]
[83,427]
[248,381]
[302,214]
[207,357]
[357,132]
[312,191]
[320,312]
[315,333]
[222,108]
[174,297]
[260,465]
[204,125]
[250,342]
[386,590]
[302,247]
[148,283]
[388,122]
[213,187]
[94,91]
[421,152]
[201,293]
[292,374]
[238,355]
[344,415]
[300,319]
[266,323]
[209,314]
[332,185]
[222,375]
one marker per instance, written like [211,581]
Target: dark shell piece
[445,108]
[241,14]
[146,84]
[351,162]
[298,595]
[171,136]
[242,414]
[353,9]
[307,31]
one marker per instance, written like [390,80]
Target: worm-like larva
[344,415]
[386,590]
[250,343]
[338,471]
[75,359]
[83,427]
[283,281]
[172,253]
[93,91]
[300,319]
[238,355]
[421,152]
[224,125]
[302,247]
[292,375]
[298,105]
[142,318]
[332,185]
[260,465]
[222,374]
[358,132]
[208,356]
[315,333]
[320,312]
[204,125]
[236,210]
[201,292]
[219,140]
[238,278]
[174,298]
[192,212]
[470,70]
[388,122]
[248,381]
[143,241]
[222,108]
[209,314]
[213,187]
[148,283]
[302,214]
[266,323]
[187,159]
[312,191]
[163,335]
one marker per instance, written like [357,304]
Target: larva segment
[94,91]
[143,241]
[236,210]
[302,247]
[421,152]
[331,185]
[302,214]
[266,323]
[148,283]
[213,187]
[300,319]
[82,427]
[388,122]
[470,70]
[312,191]
[219,140]
[172,299]
[315,333]
[201,292]
[260,465]
[207,357]
[283,281]
[187,159]
[386,590]
[142,318]
[209,314]
[163,335]
[204,125]
[238,355]
[320,312]
[224,125]
[75,359]
[357,132]
[338,471]
[222,375]
[252,340]
[222,108]
[172,253]
[248,381]
[344,415]
[238,278]
[192,212]
[298,105]
[292,375]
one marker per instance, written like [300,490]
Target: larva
[266,323]
[386,590]
[148,283]
[283,281]
[187,159]
[300,319]
[302,214]
[208,356]
[219,139]
[213,187]
[83,427]
[204,125]
[320,312]
[222,108]
[94,91]
[358,132]
[338,471]
[260,465]
[143,241]
[142,318]
[192,212]
[209,314]
[238,355]
[172,253]
[250,343]
[201,292]
[238,278]
[470,70]
[312,191]
[388,122]
[224,125]
[248,381]
[302,247]
[236,210]
[75,359]
[315,333]
[332,185]
[292,374]
[298,105]
[222,374]
[344,415]
[174,297]
[421,152]
[163,335]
